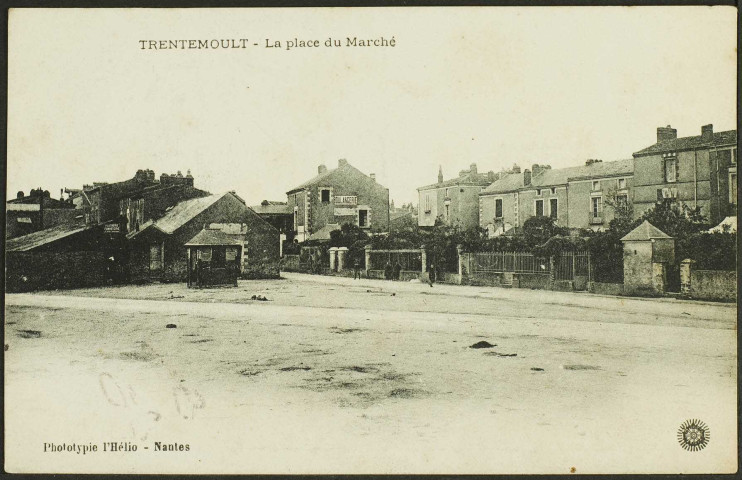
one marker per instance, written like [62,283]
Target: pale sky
[490,85]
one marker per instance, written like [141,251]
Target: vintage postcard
[460,240]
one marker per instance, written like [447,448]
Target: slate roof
[315,179]
[184,212]
[560,176]
[211,237]
[645,231]
[324,232]
[469,179]
[273,208]
[42,237]
[687,143]
[509,182]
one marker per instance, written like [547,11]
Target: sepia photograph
[389,240]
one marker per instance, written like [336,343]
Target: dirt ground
[332,375]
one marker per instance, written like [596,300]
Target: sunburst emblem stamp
[693,435]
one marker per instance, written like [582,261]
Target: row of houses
[698,171]
[140,229]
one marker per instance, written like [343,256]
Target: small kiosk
[213,259]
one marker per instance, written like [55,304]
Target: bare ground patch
[29,333]
[361,386]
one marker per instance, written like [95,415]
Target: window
[553,208]
[733,188]
[363,218]
[553,190]
[498,208]
[447,211]
[596,185]
[597,207]
[538,192]
[325,195]
[621,183]
[427,203]
[539,208]
[448,192]
[671,169]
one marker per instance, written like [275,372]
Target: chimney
[526,177]
[342,162]
[491,176]
[473,168]
[19,194]
[321,169]
[666,133]
[373,176]
[188,173]
[707,133]
[440,174]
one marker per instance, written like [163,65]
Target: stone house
[338,196]
[134,201]
[575,197]
[698,171]
[454,201]
[36,211]
[157,250]
[499,203]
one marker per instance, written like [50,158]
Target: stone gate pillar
[424,257]
[342,252]
[333,258]
[367,251]
[686,270]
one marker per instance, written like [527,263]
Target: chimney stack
[473,168]
[20,194]
[321,169]
[491,176]
[666,133]
[526,177]
[373,176]
[342,162]
[707,133]
[440,174]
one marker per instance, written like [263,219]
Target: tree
[537,230]
[678,221]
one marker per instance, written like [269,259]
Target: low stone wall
[713,285]
[450,278]
[290,263]
[489,280]
[563,286]
[605,288]
[539,281]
